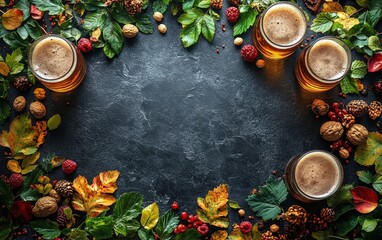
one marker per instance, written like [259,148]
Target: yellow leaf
[350,9]
[219,235]
[4,69]
[14,166]
[95,35]
[12,19]
[332,7]
[28,169]
[236,233]
[57,161]
[150,216]
[221,222]
[346,21]
[106,182]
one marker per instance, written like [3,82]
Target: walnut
[357,134]
[44,207]
[331,131]
[274,228]
[19,103]
[375,109]
[54,194]
[37,109]
[348,120]
[39,94]
[129,30]
[344,153]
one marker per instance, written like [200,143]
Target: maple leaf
[94,199]
[213,208]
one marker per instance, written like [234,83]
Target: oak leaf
[213,208]
[12,19]
[94,199]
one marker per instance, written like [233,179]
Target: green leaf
[375,5]
[377,183]
[365,176]
[72,34]
[246,20]
[214,15]
[14,40]
[358,69]
[33,29]
[94,20]
[150,216]
[5,110]
[349,85]
[234,205]
[54,121]
[371,17]
[266,203]
[376,234]
[369,225]
[5,228]
[77,234]
[189,234]
[47,228]
[166,225]
[53,7]
[159,6]
[204,4]
[342,209]
[374,43]
[190,34]
[127,207]
[100,227]
[190,16]
[188,4]
[13,61]
[24,5]
[32,178]
[342,196]
[323,22]
[144,25]
[346,223]
[112,34]
[371,152]
[6,195]
[321,235]
[145,234]
[208,28]
[23,33]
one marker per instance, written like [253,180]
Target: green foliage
[358,69]
[368,178]
[6,195]
[54,121]
[370,153]
[53,7]
[346,223]
[342,196]
[323,22]
[246,20]
[189,234]
[266,203]
[47,228]
[100,227]
[13,61]
[77,234]
[166,225]
[349,85]
[5,228]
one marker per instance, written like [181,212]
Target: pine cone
[218,4]
[375,109]
[357,107]
[268,235]
[296,232]
[327,214]
[64,188]
[348,120]
[234,2]
[316,223]
[296,215]
[133,7]
[62,219]
[21,83]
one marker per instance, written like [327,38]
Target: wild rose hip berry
[245,227]
[175,206]
[184,216]
[69,166]
[84,45]
[203,229]
[16,180]
[248,53]
[232,14]
[181,228]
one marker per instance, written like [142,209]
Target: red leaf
[365,200]
[375,63]
[12,19]
[36,13]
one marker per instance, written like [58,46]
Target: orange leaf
[4,69]
[219,235]
[42,131]
[365,200]
[332,7]
[12,19]
[95,198]
[14,166]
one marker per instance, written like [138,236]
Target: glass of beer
[279,30]
[323,64]
[57,63]
[313,176]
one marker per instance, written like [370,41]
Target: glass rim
[64,76]
[343,45]
[332,191]
[299,11]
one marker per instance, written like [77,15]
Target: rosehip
[245,227]
[203,229]
[181,228]
[175,206]
[191,218]
[84,45]
[335,105]
[184,216]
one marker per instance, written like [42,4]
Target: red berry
[69,166]
[176,231]
[336,105]
[232,14]
[245,227]
[175,206]
[84,45]
[248,53]
[184,216]
[21,212]
[350,149]
[16,180]
[195,225]
[203,229]
[181,228]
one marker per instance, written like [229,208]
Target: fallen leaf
[41,129]
[332,7]
[12,19]
[28,169]
[346,21]
[219,235]
[4,69]
[54,121]
[150,216]
[95,35]
[236,234]
[14,166]
[365,200]
[370,153]
[350,9]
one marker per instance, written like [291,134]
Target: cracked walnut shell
[39,94]
[44,207]
[331,131]
[37,109]
[129,30]
[357,134]
[19,103]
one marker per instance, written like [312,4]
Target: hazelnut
[162,28]
[19,103]
[274,228]
[344,153]
[129,30]
[238,41]
[357,134]
[331,131]
[158,16]
[37,109]
[44,207]
[39,94]
[241,212]
[260,63]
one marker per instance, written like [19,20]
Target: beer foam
[52,58]
[328,60]
[284,24]
[317,174]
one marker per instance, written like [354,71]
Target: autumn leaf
[150,216]
[41,129]
[94,199]
[213,208]
[4,69]
[365,200]
[14,166]
[12,19]
[236,234]
[219,235]
[370,153]
[332,7]
[346,21]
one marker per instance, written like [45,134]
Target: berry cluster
[191,221]
[337,112]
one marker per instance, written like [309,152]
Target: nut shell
[158,16]
[37,109]
[357,134]
[238,41]
[44,207]
[19,103]
[39,94]
[375,109]
[344,153]
[129,30]
[162,28]
[331,131]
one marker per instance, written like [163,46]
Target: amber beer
[323,64]
[57,63]
[313,176]
[279,30]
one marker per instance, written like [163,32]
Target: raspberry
[232,14]
[84,45]
[248,53]
[203,229]
[245,227]
[175,206]
[16,180]
[69,166]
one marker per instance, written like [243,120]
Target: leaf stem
[1,11]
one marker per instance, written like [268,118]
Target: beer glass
[323,64]
[313,176]
[279,30]
[57,63]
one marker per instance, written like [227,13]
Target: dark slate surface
[177,122]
